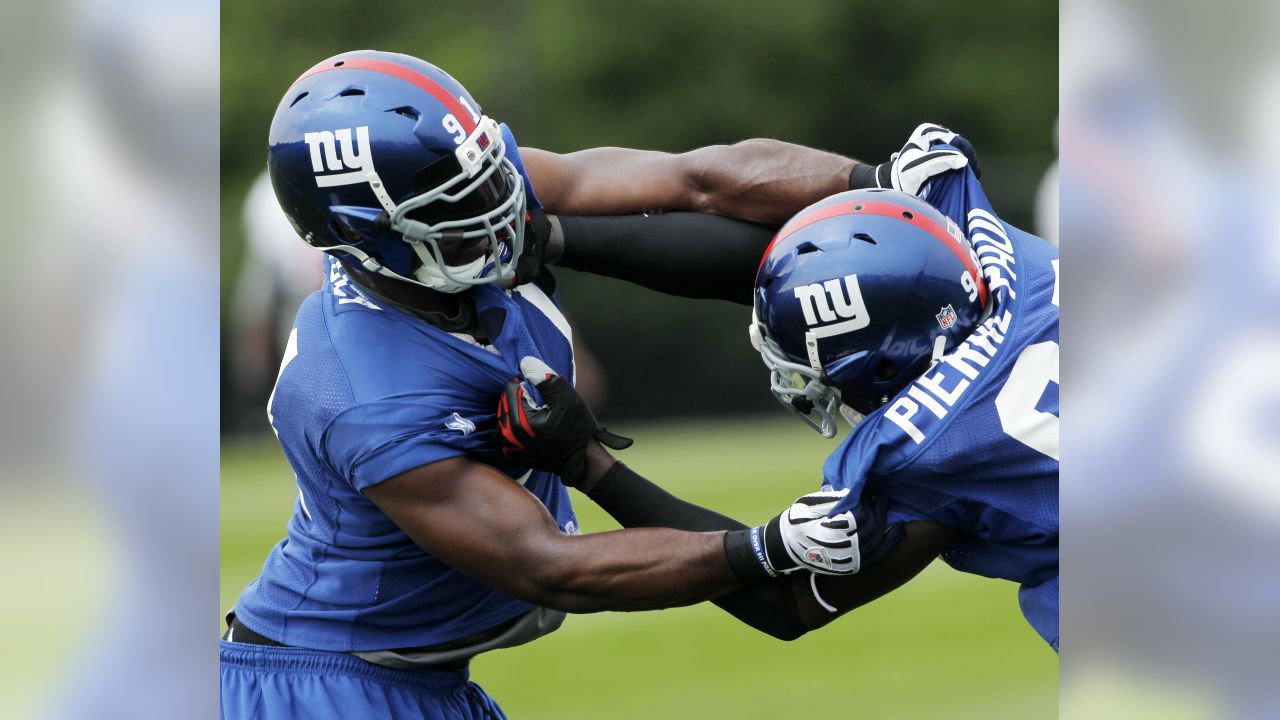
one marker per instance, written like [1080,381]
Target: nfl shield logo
[817,557]
[947,317]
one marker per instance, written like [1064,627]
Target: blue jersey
[367,392]
[973,442]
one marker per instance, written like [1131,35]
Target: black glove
[552,436]
[537,231]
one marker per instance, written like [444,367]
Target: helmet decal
[324,146]
[827,302]
[856,296]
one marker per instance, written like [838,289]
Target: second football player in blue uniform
[928,322]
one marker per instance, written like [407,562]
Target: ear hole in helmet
[886,370]
[299,98]
[864,237]
[406,112]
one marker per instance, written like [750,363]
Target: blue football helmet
[386,161]
[856,296]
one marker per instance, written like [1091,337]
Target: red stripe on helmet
[884,209]
[423,82]
[804,221]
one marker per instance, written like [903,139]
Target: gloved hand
[551,436]
[916,163]
[806,537]
[537,232]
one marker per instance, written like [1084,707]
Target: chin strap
[939,349]
[380,192]
[811,346]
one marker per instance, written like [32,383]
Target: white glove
[807,537]
[818,542]
[915,164]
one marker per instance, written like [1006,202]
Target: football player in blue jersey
[909,308]
[414,544]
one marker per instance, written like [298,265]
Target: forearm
[640,569]
[766,181]
[475,519]
[820,599]
[683,254]
[785,607]
[636,502]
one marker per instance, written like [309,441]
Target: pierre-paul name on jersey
[941,388]
[928,400]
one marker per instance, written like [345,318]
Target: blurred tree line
[854,77]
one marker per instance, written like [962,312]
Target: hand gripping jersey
[973,442]
[366,392]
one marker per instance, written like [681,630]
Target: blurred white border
[1170,487]
[109,366]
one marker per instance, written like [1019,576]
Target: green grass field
[945,645]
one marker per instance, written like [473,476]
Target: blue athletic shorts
[281,683]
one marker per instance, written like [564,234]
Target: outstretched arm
[786,607]
[765,181]
[480,522]
[821,599]
[695,255]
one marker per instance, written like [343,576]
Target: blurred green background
[851,77]
[944,645]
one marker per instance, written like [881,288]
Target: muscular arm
[921,544]
[765,181]
[786,607]
[480,522]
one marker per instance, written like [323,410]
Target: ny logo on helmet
[832,310]
[355,160]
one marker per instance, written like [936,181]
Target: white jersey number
[1032,372]
[1035,368]
[290,352]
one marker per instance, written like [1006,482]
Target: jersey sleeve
[373,442]
[870,451]
[949,192]
[853,462]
